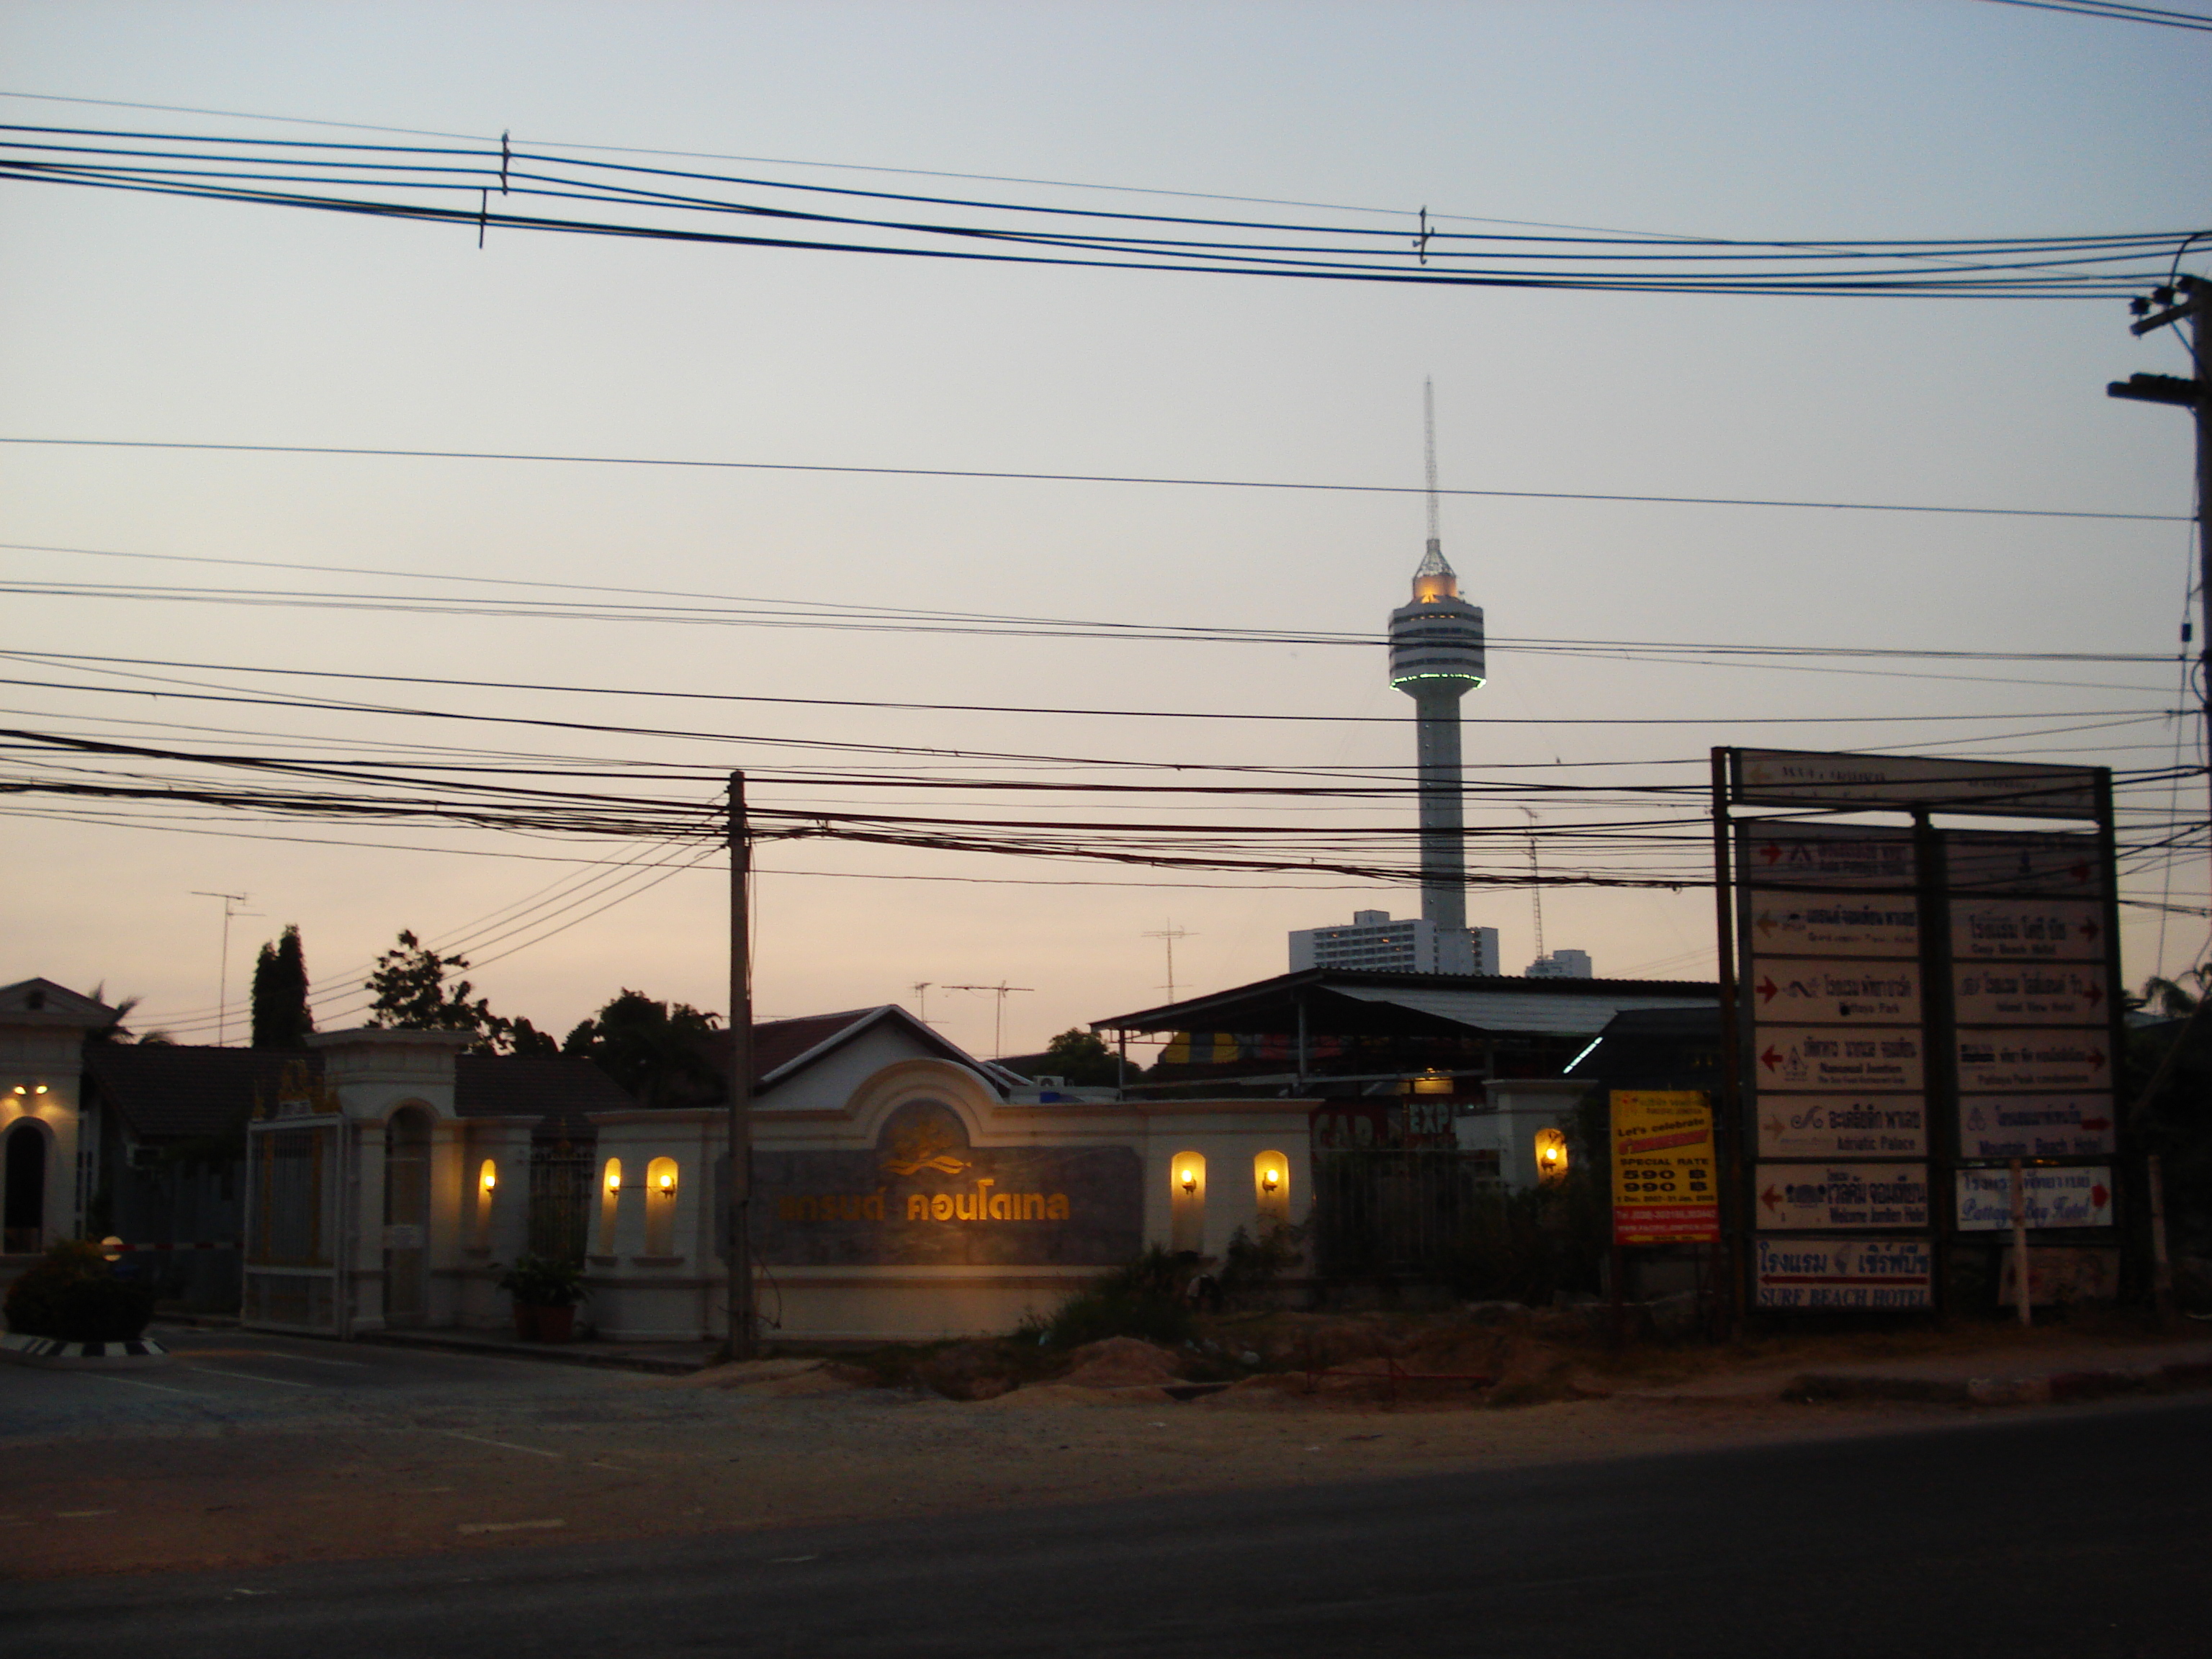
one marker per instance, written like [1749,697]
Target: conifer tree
[281,1020]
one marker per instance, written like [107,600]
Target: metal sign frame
[1851,965]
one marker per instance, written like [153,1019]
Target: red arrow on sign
[2096,1057]
[1770,1058]
[2097,1195]
[2096,994]
[2088,930]
[2079,872]
[1769,989]
[1770,852]
[2096,1126]
[1771,1199]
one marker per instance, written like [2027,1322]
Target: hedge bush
[74,1296]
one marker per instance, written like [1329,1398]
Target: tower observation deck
[1436,658]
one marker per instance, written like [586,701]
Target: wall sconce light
[1270,1180]
[490,1178]
[30,1088]
[1551,1156]
[1189,1180]
[614,1181]
[111,1249]
[667,1183]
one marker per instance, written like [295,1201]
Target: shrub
[1250,1266]
[1143,1299]
[74,1296]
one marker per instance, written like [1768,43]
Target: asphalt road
[257,1380]
[2082,1534]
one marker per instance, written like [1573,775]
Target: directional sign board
[1793,989]
[1812,924]
[1800,1196]
[2029,993]
[1862,1275]
[1823,1059]
[2036,1125]
[2027,930]
[2077,1196]
[1789,777]
[1842,1125]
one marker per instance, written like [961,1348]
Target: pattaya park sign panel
[925,1197]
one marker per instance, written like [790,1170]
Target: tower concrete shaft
[1444,817]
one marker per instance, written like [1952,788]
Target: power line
[360,180]
[883,705]
[1079,478]
[2117,13]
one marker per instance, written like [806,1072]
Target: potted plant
[545,1295]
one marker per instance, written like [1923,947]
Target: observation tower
[1436,658]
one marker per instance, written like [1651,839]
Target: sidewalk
[2040,1374]
[660,1359]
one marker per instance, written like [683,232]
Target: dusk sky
[129,317]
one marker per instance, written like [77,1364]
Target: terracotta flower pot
[555,1324]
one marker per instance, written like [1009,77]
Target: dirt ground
[788,1442]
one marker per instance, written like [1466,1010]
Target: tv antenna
[921,989]
[222,970]
[1168,936]
[1002,991]
[1536,883]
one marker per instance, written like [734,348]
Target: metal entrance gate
[294,1197]
[1399,1211]
[561,1192]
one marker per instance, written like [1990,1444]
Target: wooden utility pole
[2185,301]
[743,1321]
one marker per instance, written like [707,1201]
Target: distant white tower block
[1562,964]
[1412,945]
[1436,658]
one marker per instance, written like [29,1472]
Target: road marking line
[619,1469]
[79,1515]
[791,1560]
[504,1445]
[249,1377]
[303,1359]
[470,1528]
[158,1388]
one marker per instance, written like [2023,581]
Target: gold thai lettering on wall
[978,1203]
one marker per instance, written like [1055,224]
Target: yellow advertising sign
[1664,1191]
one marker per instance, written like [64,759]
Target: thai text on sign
[1857,1274]
[1840,1195]
[1664,1185]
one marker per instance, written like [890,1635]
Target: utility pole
[2184,301]
[222,970]
[744,1322]
[1001,991]
[1169,934]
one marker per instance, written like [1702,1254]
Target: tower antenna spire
[1428,429]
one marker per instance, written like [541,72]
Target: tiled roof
[561,1092]
[169,1091]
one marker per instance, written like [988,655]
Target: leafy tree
[115,1031]
[1082,1059]
[281,1020]
[658,1051]
[412,995]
